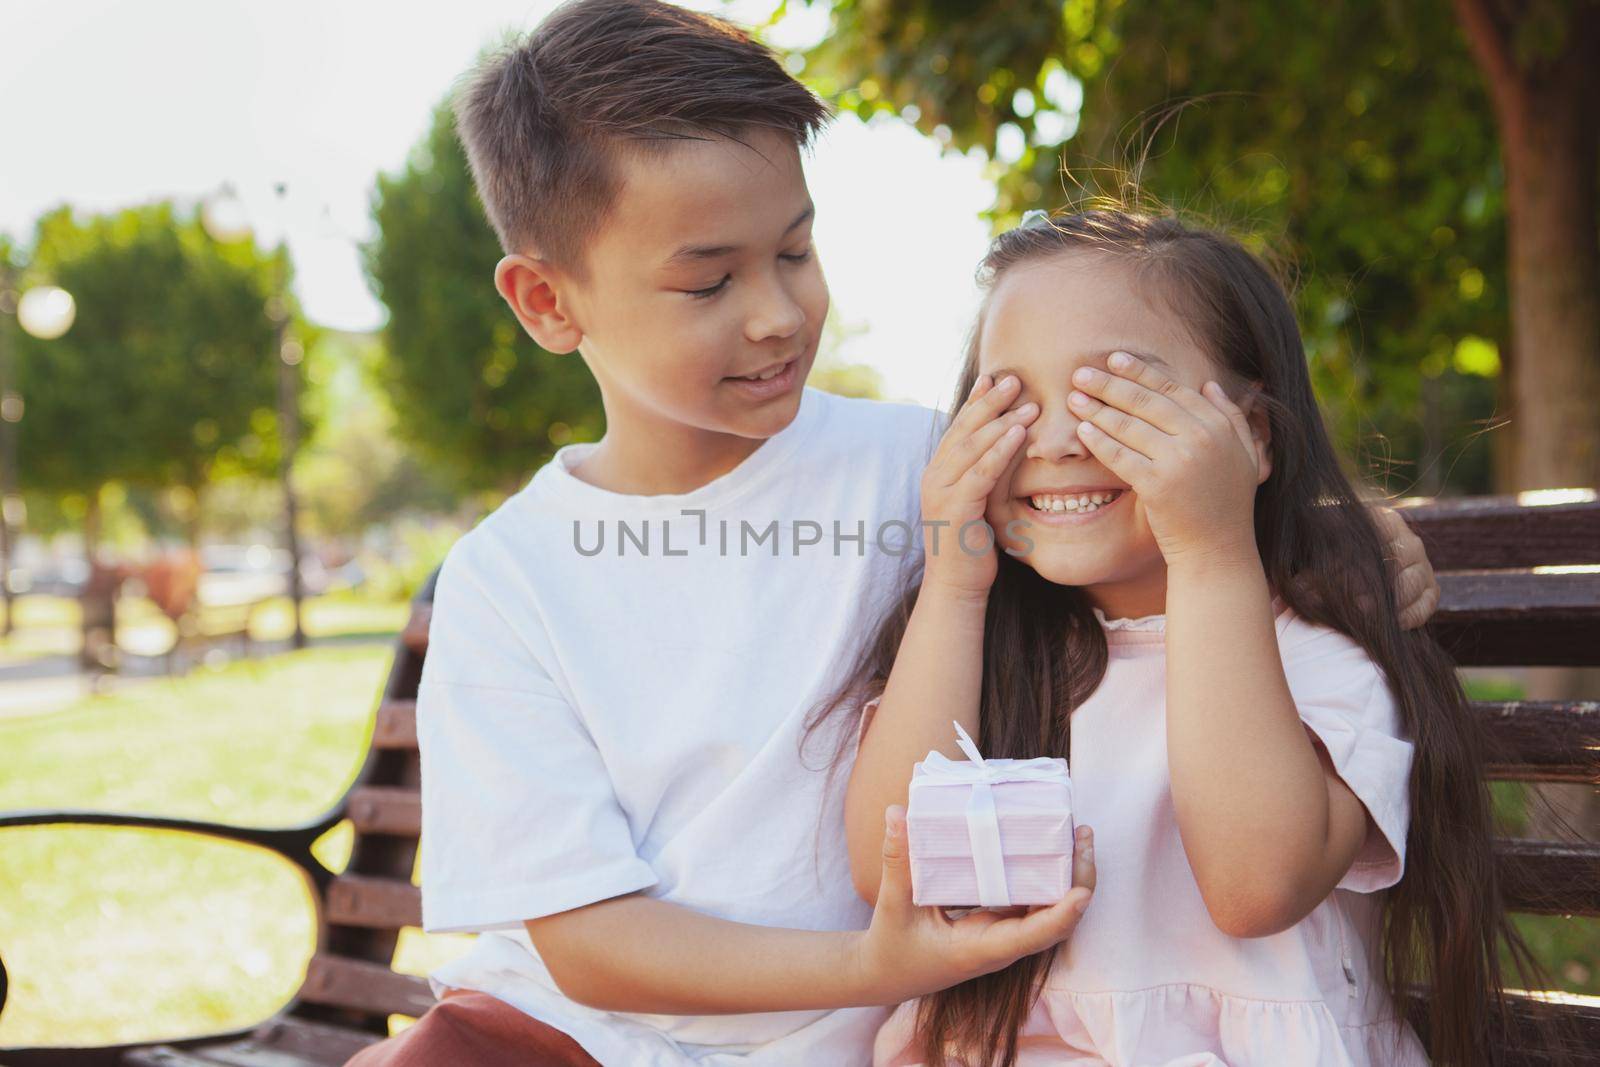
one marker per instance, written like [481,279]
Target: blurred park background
[255,379]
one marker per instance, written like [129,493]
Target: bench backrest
[362,910]
[1497,610]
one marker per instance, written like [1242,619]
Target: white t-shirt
[613,701]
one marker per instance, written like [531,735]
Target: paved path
[39,685]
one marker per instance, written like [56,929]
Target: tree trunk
[1550,141]
[1554,270]
[91,529]
[96,604]
[191,526]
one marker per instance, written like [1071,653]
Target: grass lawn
[120,935]
[124,935]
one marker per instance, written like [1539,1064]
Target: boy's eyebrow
[699,252]
[1001,372]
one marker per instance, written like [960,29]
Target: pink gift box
[1012,846]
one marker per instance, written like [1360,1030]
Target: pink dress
[1147,979]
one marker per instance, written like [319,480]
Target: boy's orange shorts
[471,1029]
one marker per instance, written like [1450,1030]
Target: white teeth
[1082,502]
[764,375]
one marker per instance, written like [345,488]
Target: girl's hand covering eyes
[1191,457]
[975,451]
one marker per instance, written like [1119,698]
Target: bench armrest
[292,842]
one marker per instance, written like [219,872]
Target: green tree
[1357,142]
[478,397]
[169,373]
[359,471]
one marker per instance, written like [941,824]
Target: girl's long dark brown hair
[1044,653]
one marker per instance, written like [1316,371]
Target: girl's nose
[1054,436]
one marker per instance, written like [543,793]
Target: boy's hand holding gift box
[989,833]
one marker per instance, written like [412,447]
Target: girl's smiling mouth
[1075,505]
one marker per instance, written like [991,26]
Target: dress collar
[1143,624]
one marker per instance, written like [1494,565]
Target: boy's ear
[532,288]
[1255,413]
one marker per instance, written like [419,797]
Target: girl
[1183,596]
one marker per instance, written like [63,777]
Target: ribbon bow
[983,821]
[940,769]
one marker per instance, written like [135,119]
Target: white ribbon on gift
[983,821]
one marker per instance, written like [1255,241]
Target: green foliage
[958,66]
[415,548]
[470,388]
[358,472]
[169,370]
[1358,148]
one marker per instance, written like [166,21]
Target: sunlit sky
[116,102]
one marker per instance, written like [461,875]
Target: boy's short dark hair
[544,118]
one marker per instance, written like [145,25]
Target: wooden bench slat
[396,726]
[386,809]
[1543,740]
[240,1054]
[1520,596]
[361,985]
[1580,1014]
[415,635]
[1549,877]
[1547,741]
[322,1042]
[1519,619]
[377,903]
[285,1041]
[1486,533]
[1540,877]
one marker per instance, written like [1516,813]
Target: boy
[624,654]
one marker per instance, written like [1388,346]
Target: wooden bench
[206,609]
[1510,615]
[1520,589]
